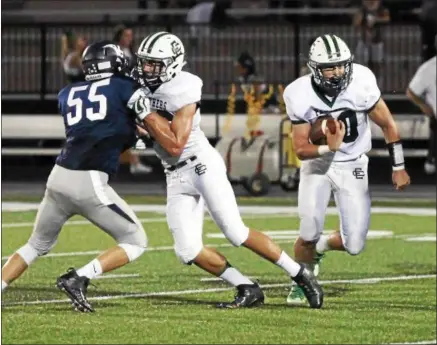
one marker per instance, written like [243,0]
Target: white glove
[140,145]
[142,107]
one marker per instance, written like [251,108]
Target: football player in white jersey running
[196,174]
[348,92]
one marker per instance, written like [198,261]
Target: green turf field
[158,300]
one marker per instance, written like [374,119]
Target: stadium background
[275,33]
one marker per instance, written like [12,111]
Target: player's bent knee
[133,252]
[237,235]
[187,254]
[29,254]
[354,248]
[309,229]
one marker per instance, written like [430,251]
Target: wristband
[323,150]
[396,155]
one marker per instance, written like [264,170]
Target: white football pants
[349,183]
[201,181]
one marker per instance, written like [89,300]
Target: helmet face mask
[152,70]
[335,83]
[160,58]
[330,53]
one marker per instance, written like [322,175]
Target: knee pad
[29,253]
[187,254]
[132,251]
[136,236]
[236,235]
[309,232]
[354,248]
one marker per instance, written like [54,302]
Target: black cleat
[247,296]
[310,287]
[75,288]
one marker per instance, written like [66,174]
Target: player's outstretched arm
[382,116]
[418,101]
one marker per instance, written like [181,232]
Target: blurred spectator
[124,37]
[428,24]
[370,48]
[422,92]
[246,72]
[199,18]
[248,77]
[203,17]
[71,52]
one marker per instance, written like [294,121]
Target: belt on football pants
[349,160]
[182,164]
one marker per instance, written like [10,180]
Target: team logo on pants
[200,169]
[358,173]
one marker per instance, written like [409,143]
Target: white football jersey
[184,89]
[423,83]
[304,104]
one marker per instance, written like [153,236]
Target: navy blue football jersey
[98,124]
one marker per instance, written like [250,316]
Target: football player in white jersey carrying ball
[349,93]
[196,174]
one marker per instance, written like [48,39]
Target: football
[318,130]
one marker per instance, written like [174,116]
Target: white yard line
[407,237]
[78,222]
[417,343]
[142,220]
[289,210]
[115,276]
[149,249]
[196,291]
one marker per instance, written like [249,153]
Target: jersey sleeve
[61,100]
[189,94]
[295,111]
[418,85]
[371,90]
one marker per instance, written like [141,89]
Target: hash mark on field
[188,292]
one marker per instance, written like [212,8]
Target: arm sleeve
[418,83]
[293,111]
[190,95]
[372,91]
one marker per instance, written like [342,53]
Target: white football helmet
[330,51]
[161,57]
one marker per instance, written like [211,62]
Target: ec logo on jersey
[359,173]
[200,169]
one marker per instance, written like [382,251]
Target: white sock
[4,285]
[234,277]
[322,245]
[288,264]
[90,270]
